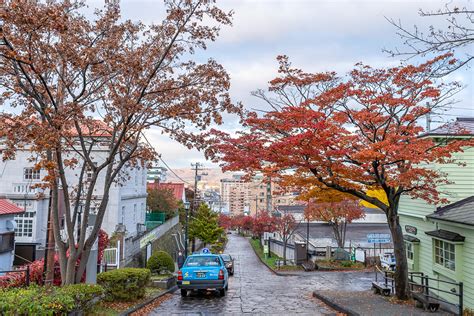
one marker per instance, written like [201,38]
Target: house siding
[413,212]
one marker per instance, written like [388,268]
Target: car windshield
[203,261]
[226,257]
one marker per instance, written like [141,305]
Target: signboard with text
[379,238]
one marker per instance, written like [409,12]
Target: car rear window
[226,257]
[203,261]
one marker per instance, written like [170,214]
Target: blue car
[203,271]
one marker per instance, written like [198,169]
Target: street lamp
[186,208]
[79,218]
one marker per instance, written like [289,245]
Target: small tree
[263,223]
[205,226]
[225,221]
[162,200]
[336,214]
[285,226]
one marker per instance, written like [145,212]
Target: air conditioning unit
[120,228]
[141,228]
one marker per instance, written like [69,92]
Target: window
[24,224]
[31,174]
[90,172]
[444,253]
[409,248]
[7,242]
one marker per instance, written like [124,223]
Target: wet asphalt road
[255,290]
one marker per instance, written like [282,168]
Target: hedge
[127,284]
[36,300]
[160,262]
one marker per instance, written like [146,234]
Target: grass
[340,264]
[157,277]
[115,308]
[270,261]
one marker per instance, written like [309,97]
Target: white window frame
[410,250]
[25,224]
[30,173]
[444,254]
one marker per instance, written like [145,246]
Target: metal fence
[26,271]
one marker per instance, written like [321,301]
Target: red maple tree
[263,222]
[225,221]
[285,226]
[352,134]
[337,214]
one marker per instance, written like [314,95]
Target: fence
[26,271]
[276,247]
[424,287]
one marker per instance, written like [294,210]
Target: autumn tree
[354,134]
[451,31]
[84,85]
[285,226]
[162,200]
[225,221]
[263,222]
[336,214]
[205,225]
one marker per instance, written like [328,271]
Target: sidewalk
[366,303]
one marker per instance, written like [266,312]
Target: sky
[316,35]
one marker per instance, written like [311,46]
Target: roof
[176,188]
[461,212]
[446,235]
[8,208]
[463,126]
[410,238]
[291,208]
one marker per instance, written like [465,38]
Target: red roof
[176,188]
[7,208]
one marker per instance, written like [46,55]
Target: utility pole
[428,118]
[269,195]
[196,167]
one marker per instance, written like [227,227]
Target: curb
[148,301]
[270,268]
[334,305]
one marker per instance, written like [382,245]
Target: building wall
[126,204]
[6,258]
[413,212]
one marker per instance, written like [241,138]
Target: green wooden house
[439,239]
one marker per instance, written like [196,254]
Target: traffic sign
[379,238]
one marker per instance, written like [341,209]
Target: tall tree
[82,85]
[337,214]
[452,31]
[205,225]
[354,134]
[162,200]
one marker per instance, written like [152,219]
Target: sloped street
[256,290]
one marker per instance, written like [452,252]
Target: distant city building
[156,173]
[235,195]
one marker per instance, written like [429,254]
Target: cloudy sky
[317,35]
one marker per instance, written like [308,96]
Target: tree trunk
[401,270]
[337,235]
[285,241]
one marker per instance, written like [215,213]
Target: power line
[164,162]
[173,171]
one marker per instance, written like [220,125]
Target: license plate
[201,274]
[186,282]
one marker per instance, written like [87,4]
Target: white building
[125,209]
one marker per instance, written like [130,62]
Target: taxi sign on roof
[205,250]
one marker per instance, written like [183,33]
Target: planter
[165,284]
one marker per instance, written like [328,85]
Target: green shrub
[346,264]
[35,301]
[126,284]
[82,294]
[160,262]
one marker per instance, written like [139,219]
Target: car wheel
[222,292]
[184,293]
